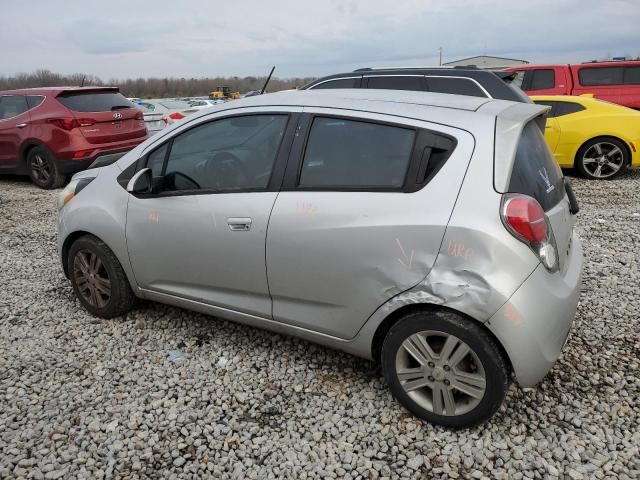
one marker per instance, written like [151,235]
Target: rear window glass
[352,154]
[396,83]
[94,101]
[339,83]
[542,79]
[12,106]
[34,100]
[595,76]
[535,172]
[456,86]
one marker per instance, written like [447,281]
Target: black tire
[621,157]
[494,368]
[43,170]
[121,298]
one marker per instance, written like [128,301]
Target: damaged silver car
[431,233]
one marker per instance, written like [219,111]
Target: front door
[14,128]
[202,235]
[353,229]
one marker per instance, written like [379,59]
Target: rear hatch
[536,173]
[104,115]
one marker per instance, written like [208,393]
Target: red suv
[50,133]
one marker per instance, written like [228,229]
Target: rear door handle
[237,224]
[21,125]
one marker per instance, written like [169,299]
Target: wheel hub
[438,374]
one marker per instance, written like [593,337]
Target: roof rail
[367,69]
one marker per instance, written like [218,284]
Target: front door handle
[239,224]
[21,125]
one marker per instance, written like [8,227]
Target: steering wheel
[226,170]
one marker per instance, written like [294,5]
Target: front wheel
[444,368]
[602,158]
[98,278]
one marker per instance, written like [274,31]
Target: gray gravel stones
[84,398]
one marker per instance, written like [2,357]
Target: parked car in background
[458,81]
[598,138]
[153,116]
[50,133]
[431,233]
[616,82]
[196,105]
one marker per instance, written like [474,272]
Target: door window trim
[358,77]
[478,84]
[277,171]
[425,141]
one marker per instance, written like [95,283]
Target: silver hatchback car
[431,233]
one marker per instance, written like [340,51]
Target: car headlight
[73,188]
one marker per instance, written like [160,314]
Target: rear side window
[456,86]
[339,83]
[535,172]
[94,101]
[396,83]
[34,100]
[599,76]
[12,106]
[353,154]
[542,79]
[632,76]
[558,109]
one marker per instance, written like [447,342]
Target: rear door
[361,216]
[540,81]
[630,93]
[105,116]
[14,128]
[605,83]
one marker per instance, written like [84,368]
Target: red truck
[617,82]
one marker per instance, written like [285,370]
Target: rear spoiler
[79,90]
[509,125]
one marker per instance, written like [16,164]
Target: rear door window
[94,101]
[542,79]
[535,172]
[455,86]
[12,106]
[34,100]
[392,82]
[339,83]
[632,75]
[601,76]
[348,154]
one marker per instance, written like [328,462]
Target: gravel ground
[82,398]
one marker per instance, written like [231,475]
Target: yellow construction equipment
[224,93]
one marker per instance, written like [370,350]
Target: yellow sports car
[598,138]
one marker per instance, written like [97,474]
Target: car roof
[343,98]
[55,90]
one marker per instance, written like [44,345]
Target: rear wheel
[444,368]
[98,278]
[43,170]
[602,158]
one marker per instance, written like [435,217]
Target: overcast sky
[116,38]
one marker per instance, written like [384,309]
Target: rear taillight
[525,219]
[71,123]
[176,116]
[139,115]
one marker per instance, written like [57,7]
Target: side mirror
[141,182]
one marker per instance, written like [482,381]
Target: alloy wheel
[603,160]
[92,278]
[40,169]
[440,373]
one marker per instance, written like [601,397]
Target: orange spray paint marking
[408,259]
[154,217]
[459,250]
[512,315]
[306,208]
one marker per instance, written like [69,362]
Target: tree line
[150,87]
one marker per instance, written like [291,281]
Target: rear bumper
[68,167]
[533,325]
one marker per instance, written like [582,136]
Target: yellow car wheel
[602,158]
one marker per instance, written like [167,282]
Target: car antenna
[264,87]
